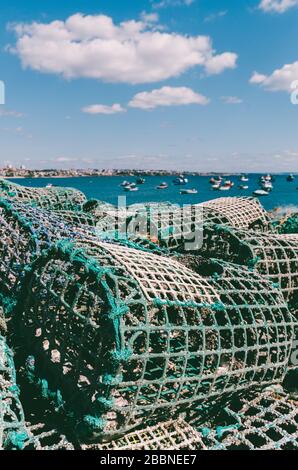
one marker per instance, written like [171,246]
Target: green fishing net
[12,421]
[288,224]
[272,255]
[116,336]
[263,421]
[179,228]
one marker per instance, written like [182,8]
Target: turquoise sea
[107,188]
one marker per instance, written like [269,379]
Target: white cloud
[167,96]
[172,3]
[215,16]
[231,99]
[131,52]
[279,80]
[103,109]
[10,113]
[149,18]
[277,6]
[64,159]
[218,63]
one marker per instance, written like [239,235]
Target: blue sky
[175,84]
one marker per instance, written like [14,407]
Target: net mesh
[24,232]
[170,227]
[121,336]
[57,198]
[267,421]
[288,224]
[159,338]
[43,437]
[12,422]
[272,255]
[171,435]
[237,212]
[181,228]
[77,218]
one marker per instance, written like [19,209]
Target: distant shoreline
[137,174]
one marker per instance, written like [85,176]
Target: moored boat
[180,180]
[162,186]
[140,180]
[260,192]
[243,178]
[189,191]
[131,187]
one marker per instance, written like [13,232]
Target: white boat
[260,192]
[267,186]
[48,186]
[215,186]
[131,187]
[243,178]
[180,180]
[162,186]
[189,191]
[224,187]
[265,178]
[215,180]
[290,178]
[125,183]
[243,186]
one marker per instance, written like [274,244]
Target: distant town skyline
[194,85]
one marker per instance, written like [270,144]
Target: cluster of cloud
[277,6]
[103,109]
[93,46]
[165,96]
[280,80]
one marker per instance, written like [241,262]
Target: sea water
[107,188]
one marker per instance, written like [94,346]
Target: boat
[267,186]
[215,180]
[260,192]
[48,186]
[131,187]
[140,180]
[125,183]
[243,186]
[224,187]
[189,191]
[180,180]
[216,186]
[266,178]
[243,178]
[290,178]
[162,186]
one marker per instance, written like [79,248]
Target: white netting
[238,212]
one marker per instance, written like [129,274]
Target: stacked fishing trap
[49,198]
[149,327]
